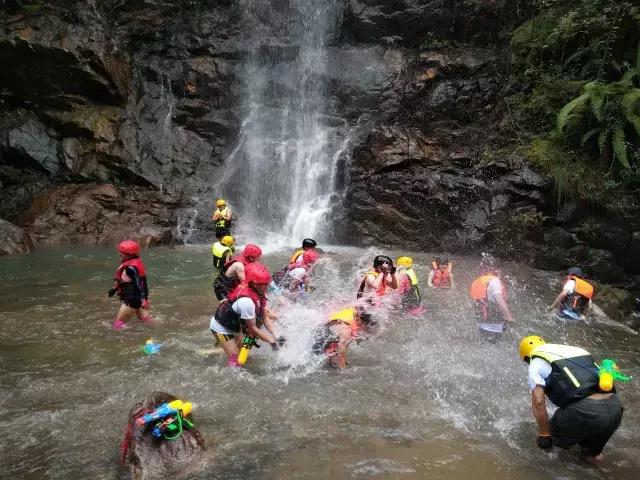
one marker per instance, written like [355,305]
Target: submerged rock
[147,458]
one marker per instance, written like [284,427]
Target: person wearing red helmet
[244,313]
[131,285]
[299,273]
[233,271]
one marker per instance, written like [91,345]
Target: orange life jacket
[579,298]
[441,278]
[295,255]
[485,309]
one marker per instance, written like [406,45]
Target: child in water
[131,285]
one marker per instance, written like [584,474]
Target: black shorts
[132,302]
[222,232]
[588,423]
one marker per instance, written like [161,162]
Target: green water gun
[608,371]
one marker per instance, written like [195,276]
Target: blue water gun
[165,410]
[151,348]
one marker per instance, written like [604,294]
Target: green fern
[618,141]
[565,114]
[631,104]
[613,106]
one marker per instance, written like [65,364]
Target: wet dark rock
[100,214]
[147,458]
[13,239]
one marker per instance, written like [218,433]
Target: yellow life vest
[347,315]
[412,276]
[296,254]
[574,374]
[222,223]
[219,252]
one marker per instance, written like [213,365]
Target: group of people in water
[568,376]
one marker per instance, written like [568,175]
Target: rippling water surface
[423,399]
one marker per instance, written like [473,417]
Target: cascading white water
[282,173]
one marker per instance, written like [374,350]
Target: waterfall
[281,175]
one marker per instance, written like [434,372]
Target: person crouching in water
[233,271]
[490,298]
[334,337]
[131,285]
[408,286]
[377,282]
[244,313]
[299,274]
[587,415]
[441,275]
[575,297]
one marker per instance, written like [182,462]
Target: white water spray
[281,175]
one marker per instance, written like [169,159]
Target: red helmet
[251,250]
[257,273]
[309,257]
[129,247]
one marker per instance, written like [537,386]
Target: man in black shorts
[586,415]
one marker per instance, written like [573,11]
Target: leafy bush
[613,112]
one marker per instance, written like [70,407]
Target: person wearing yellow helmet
[222,250]
[222,218]
[408,286]
[568,376]
[334,337]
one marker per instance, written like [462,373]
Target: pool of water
[424,398]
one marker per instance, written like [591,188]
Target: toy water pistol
[171,427]
[608,371]
[165,410]
[247,343]
[150,347]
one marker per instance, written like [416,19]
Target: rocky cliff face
[118,117]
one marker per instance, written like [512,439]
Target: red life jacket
[132,262]
[230,319]
[128,289]
[441,278]
[234,259]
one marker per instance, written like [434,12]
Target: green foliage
[536,111]
[581,39]
[610,110]
[574,174]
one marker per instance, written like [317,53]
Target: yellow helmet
[228,241]
[528,345]
[404,261]
[220,203]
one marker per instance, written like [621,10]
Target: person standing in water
[408,286]
[233,271]
[567,376]
[377,281]
[334,337]
[244,313]
[299,273]
[222,251]
[441,275]
[222,218]
[131,285]
[490,298]
[575,297]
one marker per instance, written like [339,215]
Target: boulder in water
[13,239]
[146,457]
